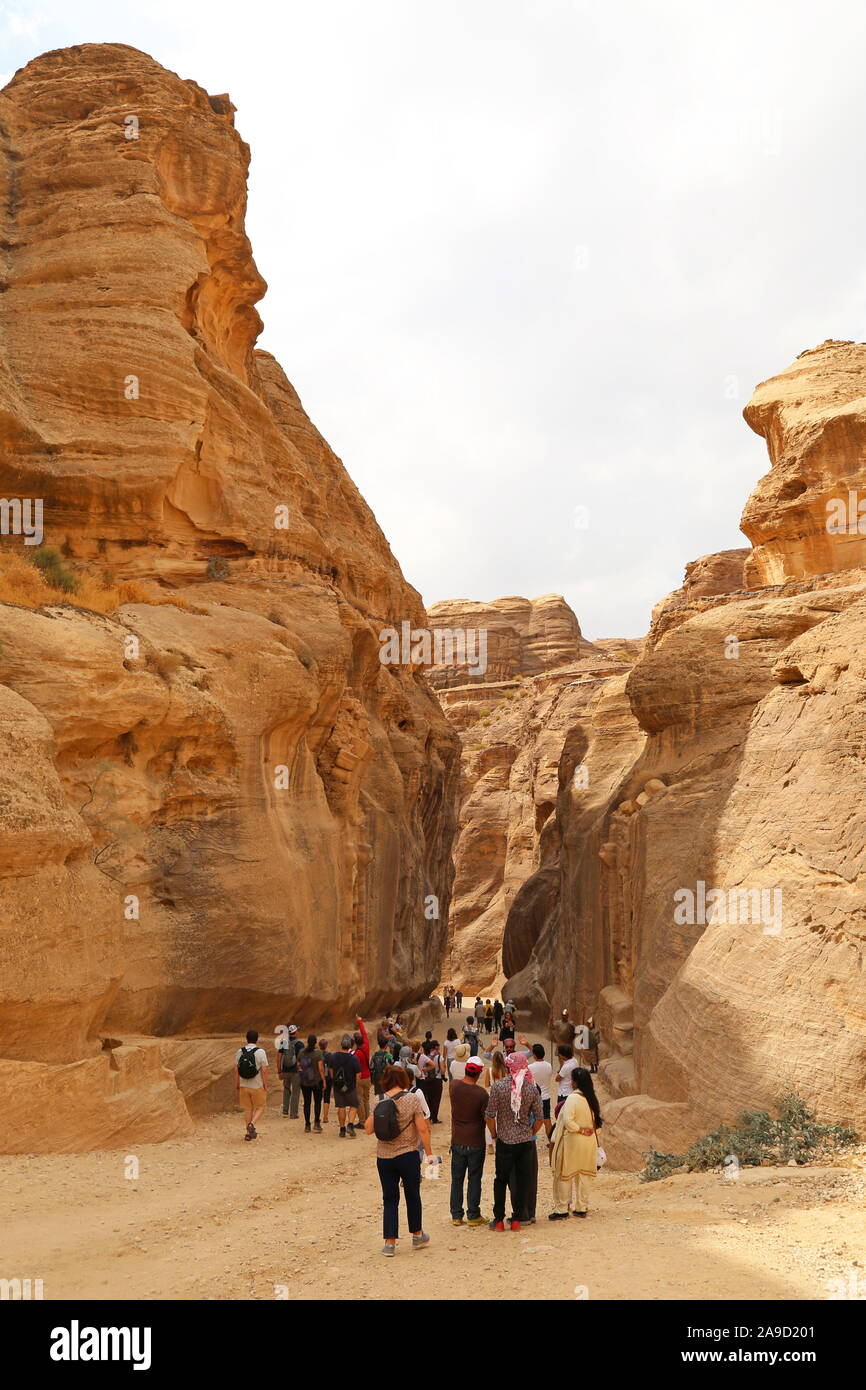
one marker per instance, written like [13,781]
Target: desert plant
[218,567]
[756,1138]
[49,562]
[21,582]
[168,662]
[659,1165]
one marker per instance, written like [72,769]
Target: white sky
[518,249]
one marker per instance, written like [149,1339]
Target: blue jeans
[405,1168]
[466,1161]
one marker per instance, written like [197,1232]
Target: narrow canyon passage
[252,778]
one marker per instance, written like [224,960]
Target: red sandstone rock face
[523,638]
[801,518]
[277,801]
[736,764]
[515,721]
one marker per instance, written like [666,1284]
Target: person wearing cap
[287,1068]
[468,1107]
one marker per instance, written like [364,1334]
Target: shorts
[346,1100]
[253,1099]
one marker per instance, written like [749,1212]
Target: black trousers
[431,1089]
[405,1169]
[312,1093]
[466,1164]
[514,1173]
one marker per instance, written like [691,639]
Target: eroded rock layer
[709,905]
[219,807]
[515,721]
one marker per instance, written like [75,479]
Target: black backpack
[289,1054]
[343,1080]
[247,1065]
[386,1118]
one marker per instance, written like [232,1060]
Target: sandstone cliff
[738,768]
[515,720]
[219,808]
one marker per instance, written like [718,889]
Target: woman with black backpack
[312,1069]
[401,1130]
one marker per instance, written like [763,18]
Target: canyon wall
[515,719]
[219,808]
[739,768]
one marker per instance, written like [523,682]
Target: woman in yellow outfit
[574,1148]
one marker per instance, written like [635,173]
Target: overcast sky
[530,256]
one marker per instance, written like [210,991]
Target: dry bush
[167,663]
[22,583]
[105,598]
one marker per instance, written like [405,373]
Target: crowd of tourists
[503,1093]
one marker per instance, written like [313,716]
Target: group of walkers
[502,1096]
[308,1070]
[486,1014]
[500,1101]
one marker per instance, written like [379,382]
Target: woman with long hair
[498,1070]
[452,1042]
[432,1075]
[312,1068]
[574,1148]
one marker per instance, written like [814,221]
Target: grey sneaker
[419,1241]
[388,1249]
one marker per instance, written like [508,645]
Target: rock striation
[219,807]
[804,517]
[514,722]
[737,772]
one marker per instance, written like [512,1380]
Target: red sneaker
[496,1226]
[515,1225]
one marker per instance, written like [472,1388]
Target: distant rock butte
[245,818]
[523,637]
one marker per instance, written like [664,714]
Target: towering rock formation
[800,518]
[219,807]
[515,719]
[739,769]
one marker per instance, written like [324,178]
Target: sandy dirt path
[212,1217]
